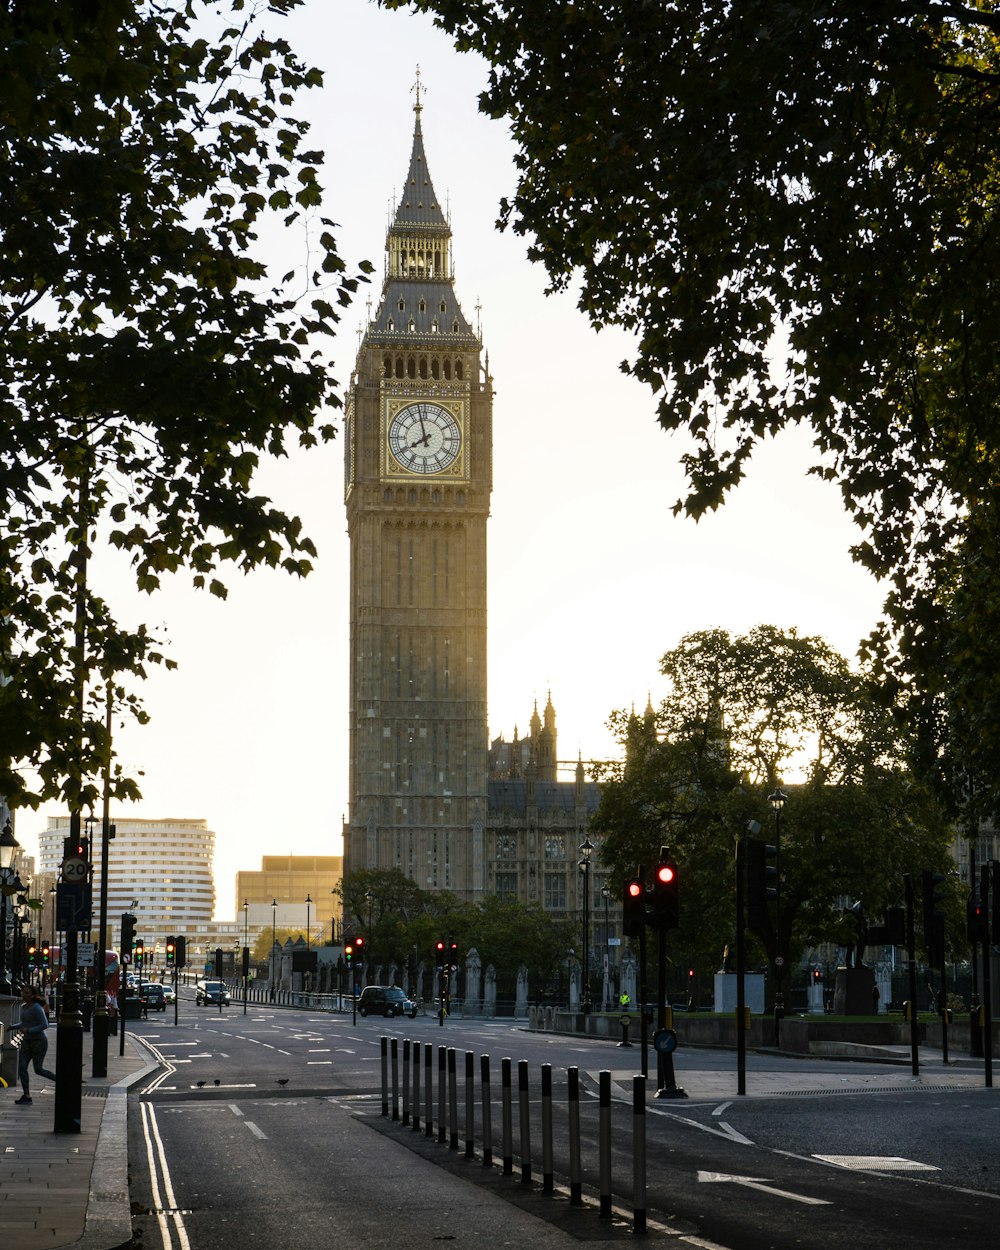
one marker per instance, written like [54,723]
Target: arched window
[447,369]
[387,367]
[422,306]
[390,324]
[442,307]
[435,368]
[411,367]
[399,366]
[423,366]
[454,326]
[435,496]
[459,371]
[402,304]
[434,329]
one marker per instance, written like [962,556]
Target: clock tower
[417,480]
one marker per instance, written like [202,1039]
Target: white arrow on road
[756,1182]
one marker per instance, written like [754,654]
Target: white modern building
[161,870]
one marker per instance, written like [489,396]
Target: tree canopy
[794,209]
[744,714]
[150,359]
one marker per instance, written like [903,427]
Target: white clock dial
[424,438]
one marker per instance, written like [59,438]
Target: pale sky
[591,578]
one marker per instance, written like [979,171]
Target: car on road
[211,992]
[169,993]
[385,1000]
[152,997]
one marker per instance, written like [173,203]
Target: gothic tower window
[423,366]
[402,305]
[447,369]
[399,366]
[459,370]
[442,307]
[422,306]
[435,366]
[411,367]
[387,367]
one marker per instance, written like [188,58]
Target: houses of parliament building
[429,794]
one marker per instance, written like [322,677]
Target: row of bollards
[448,1128]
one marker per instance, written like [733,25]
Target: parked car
[152,996]
[211,992]
[385,1000]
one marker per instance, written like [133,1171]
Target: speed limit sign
[74,870]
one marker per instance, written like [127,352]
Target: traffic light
[359,949]
[976,925]
[32,956]
[180,954]
[762,871]
[74,848]
[932,888]
[995,891]
[128,931]
[171,951]
[454,955]
[348,953]
[46,955]
[666,900]
[140,949]
[439,954]
[634,907]
[218,962]
[246,961]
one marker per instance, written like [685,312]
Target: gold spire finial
[417,88]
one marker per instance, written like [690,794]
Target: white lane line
[255,1130]
[234,1109]
[720,1130]
[151,1132]
[319,1063]
[756,1182]
[721,1107]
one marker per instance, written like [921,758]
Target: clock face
[424,438]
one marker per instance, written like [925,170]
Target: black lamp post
[246,951]
[369,898]
[9,846]
[586,851]
[274,942]
[606,895]
[777,799]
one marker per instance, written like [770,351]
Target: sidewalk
[69,1189]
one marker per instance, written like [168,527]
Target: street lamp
[777,799]
[9,846]
[274,941]
[369,898]
[586,850]
[606,895]
[308,913]
[246,950]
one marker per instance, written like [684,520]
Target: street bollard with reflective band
[452,1100]
[548,1182]
[416,1087]
[429,1074]
[470,1104]
[406,1082]
[524,1120]
[575,1167]
[385,1075]
[484,1063]
[508,1135]
[639,1154]
[394,1052]
[604,1142]
[442,1093]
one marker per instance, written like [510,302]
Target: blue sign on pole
[74,905]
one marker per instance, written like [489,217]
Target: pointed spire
[418,205]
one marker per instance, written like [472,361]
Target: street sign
[85,954]
[614,941]
[74,901]
[74,870]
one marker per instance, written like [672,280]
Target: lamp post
[586,851]
[308,915]
[369,899]
[246,950]
[9,846]
[606,895]
[777,800]
[274,941]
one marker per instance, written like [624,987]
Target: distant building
[289,880]
[163,866]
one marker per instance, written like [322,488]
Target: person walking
[34,1043]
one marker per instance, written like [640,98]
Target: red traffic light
[665,873]
[359,941]
[634,889]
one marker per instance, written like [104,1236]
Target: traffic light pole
[741,968]
[984,893]
[101,1020]
[911,954]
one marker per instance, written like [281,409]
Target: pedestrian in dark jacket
[34,1043]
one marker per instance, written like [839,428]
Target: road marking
[319,1063]
[318,1050]
[723,1130]
[756,1182]
[877,1163]
[234,1109]
[255,1130]
[155,1153]
[734,1134]
[721,1107]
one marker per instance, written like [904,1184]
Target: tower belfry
[417,481]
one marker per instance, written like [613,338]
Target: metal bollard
[604,1139]
[429,1073]
[385,1075]
[508,1136]
[452,1100]
[484,1064]
[524,1121]
[638,1154]
[406,1082]
[470,1104]
[575,1168]
[416,1087]
[442,1093]
[394,1051]
[548,1182]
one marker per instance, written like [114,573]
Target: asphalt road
[266,1129]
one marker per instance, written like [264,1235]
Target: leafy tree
[150,360]
[742,713]
[261,950]
[794,209]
